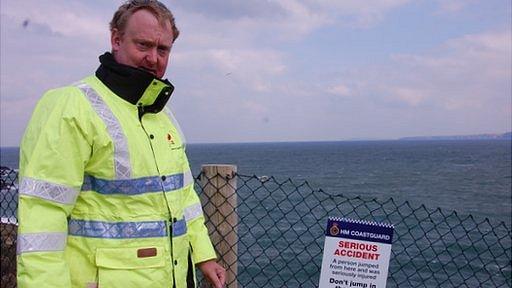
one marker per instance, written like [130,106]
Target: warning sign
[356,254]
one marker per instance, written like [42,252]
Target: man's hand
[215,274]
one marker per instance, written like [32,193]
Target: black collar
[134,85]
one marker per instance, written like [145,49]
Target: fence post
[218,182]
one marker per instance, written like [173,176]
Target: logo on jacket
[170,139]
[173,141]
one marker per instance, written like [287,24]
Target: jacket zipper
[165,198]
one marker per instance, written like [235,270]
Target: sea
[471,177]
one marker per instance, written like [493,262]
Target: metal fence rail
[281,226]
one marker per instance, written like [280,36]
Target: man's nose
[152,56]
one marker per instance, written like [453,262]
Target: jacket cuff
[203,252]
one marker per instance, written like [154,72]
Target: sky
[285,70]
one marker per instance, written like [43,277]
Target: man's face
[145,43]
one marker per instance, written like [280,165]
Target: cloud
[267,62]
[251,22]
[44,45]
[452,6]
[67,18]
[459,86]
[471,70]
[247,69]
[232,9]
[355,13]
[464,82]
[411,96]
[240,65]
[233,53]
[340,89]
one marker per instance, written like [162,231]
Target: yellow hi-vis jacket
[106,199]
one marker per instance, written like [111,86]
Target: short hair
[157,8]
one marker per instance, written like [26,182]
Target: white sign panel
[356,254]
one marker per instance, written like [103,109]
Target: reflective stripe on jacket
[106,198]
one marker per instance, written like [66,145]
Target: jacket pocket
[132,267]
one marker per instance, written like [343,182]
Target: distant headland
[502,136]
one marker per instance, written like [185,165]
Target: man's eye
[143,45]
[163,50]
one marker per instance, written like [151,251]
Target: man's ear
[115,39]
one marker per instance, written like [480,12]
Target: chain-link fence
[8,225]
[279,233]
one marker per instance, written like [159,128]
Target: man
[106,193]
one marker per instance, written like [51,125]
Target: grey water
[471,176]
